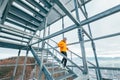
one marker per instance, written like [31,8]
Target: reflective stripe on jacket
[63,46]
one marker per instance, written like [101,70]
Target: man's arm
[61,44]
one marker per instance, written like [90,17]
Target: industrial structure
[37,25]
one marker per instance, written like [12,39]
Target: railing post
[43,45]
[24,67]
[16,65]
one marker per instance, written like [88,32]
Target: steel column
[81,40]
[98,73]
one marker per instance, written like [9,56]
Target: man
[63,49]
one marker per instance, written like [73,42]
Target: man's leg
[65,60]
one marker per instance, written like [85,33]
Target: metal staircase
[51,62]
[22,20]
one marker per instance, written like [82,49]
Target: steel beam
[98,38]
[80,6]
[81,40]
[67,12]
[101,15]
[84,22]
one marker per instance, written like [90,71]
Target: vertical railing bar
[24,67]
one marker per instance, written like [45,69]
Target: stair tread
[57,71]
[48,67]
[64,77]
[50,63]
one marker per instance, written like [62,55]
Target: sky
[109,47]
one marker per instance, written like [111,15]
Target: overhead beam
[76,21]
[84,22]
[67,12]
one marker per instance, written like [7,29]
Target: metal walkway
[26,25]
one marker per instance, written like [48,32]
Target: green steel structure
[28,25]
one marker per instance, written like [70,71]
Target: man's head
[64,38]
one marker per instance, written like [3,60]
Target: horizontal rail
[7,65]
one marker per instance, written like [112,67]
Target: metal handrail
[81,57]
[75,54]
[65,57]
[49,76]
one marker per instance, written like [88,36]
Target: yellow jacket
[63,46]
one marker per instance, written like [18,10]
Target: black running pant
[64,60]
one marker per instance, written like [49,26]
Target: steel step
[50,63]
[58,71]
[64,77]
[50,67]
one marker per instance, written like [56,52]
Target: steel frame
[10,14]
